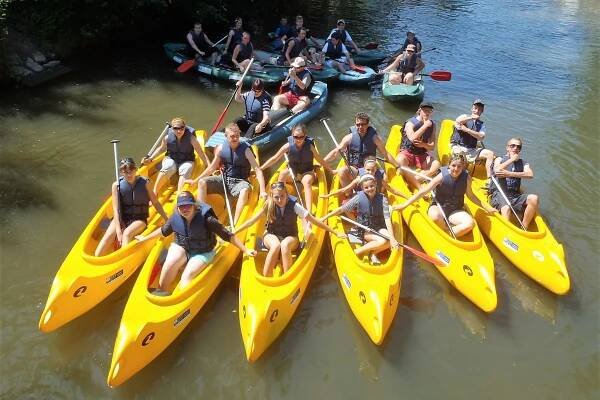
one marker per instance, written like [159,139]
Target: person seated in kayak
[361,142]
[130,197]
[405,67]
[234,37]
[294,47]
[242,54]
[372,209]
[468,129]
[418,139]
[412,39]
[281,233]
[371,167]
[299,82]
[282,34]
[301,151]
[196,228]
[257,103]
[510,169]
[200,46]
[344,36]
[180,143]
[450,186]
[336,54]
[237,160]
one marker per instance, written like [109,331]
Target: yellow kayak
[267,304]
[150,323]
[84,280]
[372,291]
[535,252]
[468,264]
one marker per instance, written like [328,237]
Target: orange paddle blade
[186,66]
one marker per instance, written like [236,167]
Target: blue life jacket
[361,147]
[512,185]
[235,39]
[180,150]
[426,137]
[464,139]
[450,194]
[334,52]
[370,212]
[294,88]
[301,159]
[245,52]
[253,105]
[378,178]
[285,223]
[408,64]
[282,30]
[235,163]
[133,200]
[195,238]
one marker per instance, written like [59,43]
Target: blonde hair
[178,121]
[372,159]
[270,204]
[459,156]
[365,178]
[301,128]
[232,128]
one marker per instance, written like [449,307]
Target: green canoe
[402,92]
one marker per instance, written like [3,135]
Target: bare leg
[346,176]
[433,168]
[409,78]
[374,244]
[531,207]
[438,218]
[462,223]
[107,239]
[176,258]
[307,181]
[202,190]
[241,202]
[193,268]
[135,228]
[395,78]
[279,102]
[272,243]
[489,159]
[288,245]
[411,179]
[161,179]
[301,105]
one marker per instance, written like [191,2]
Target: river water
[535,64]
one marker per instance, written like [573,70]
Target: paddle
[222,116]
[337,145]
[227,200]
[115,152]
[357,68]
[184,67]
[158,140]
[294,180]
[416,252]
[403,168]
[371,45]
[435,75]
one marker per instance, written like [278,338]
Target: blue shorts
[206,258]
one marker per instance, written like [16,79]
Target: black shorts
[517,200]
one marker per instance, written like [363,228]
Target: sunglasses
[298,137]
[178,128]
[185,206]
[278,185]
[515,146]
[410,51]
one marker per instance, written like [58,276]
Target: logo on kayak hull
[443,258]
[183,316]
[510,244]
[346,281]
[114,276]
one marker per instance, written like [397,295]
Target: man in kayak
[196,228]
[336,54]
[242,53]
[412,39]
[200,46]
[237,160]
[344,36]
[405,67]
[130,197]
[418,139]
[510,169]
[180,143]
[257,103]
[282,34]
[234,36]
[361,142]
[294,47]
[450,186]
[468,129]
[299,83]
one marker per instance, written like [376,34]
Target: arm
[391,189]
[394,65]
[229,37]
[424,190]
[350,205]
[212,167]
[266,107]
[460,125]
[317,156]
[259,174]
[252,220]
[151,235]
[190,41]
[236,51]
[342,190]
[288,51]
[155,202]
[475,199]
[322,225]
[426,145]
[238,92]
[199,150]
[238,243]
[348,55]
[208,40]
[276,157]
[147,159]
[382,150]
[420,66]
[343,145]
[218,229]
[116,211]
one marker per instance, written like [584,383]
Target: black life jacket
[180,150]
[194,238]
[407,144]
[343,35]
[370,212]
[361,147]
[408,64]
[301,159]
[253,105]
[299,45]
[450,194]
[294,88]
[245,52]
[200,41]
[378,178]
[512,185]
[133,200]
[235,40]
[235,163]
[464,139]
[415,41]
[334,52]
[285,223]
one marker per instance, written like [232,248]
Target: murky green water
[537,67]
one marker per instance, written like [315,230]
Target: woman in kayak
[130,196]
[281,233]
[196,228]
[451,186]
[405,67]
[373,211]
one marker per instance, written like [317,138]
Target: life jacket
[253,105]
[133,200]
[378,178]
[245,52]
[408,64]
[415,41]
[343,35]
[285,223]
[180,150]
[361,147]
[464,139]
[334,52]
[511,185]
[235,163]
[301,159]
[450,194]
[370,211]
[407,144]
[235,40]
[294,88]
[299,45]
[194,238]
[282,30]
[200,41]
